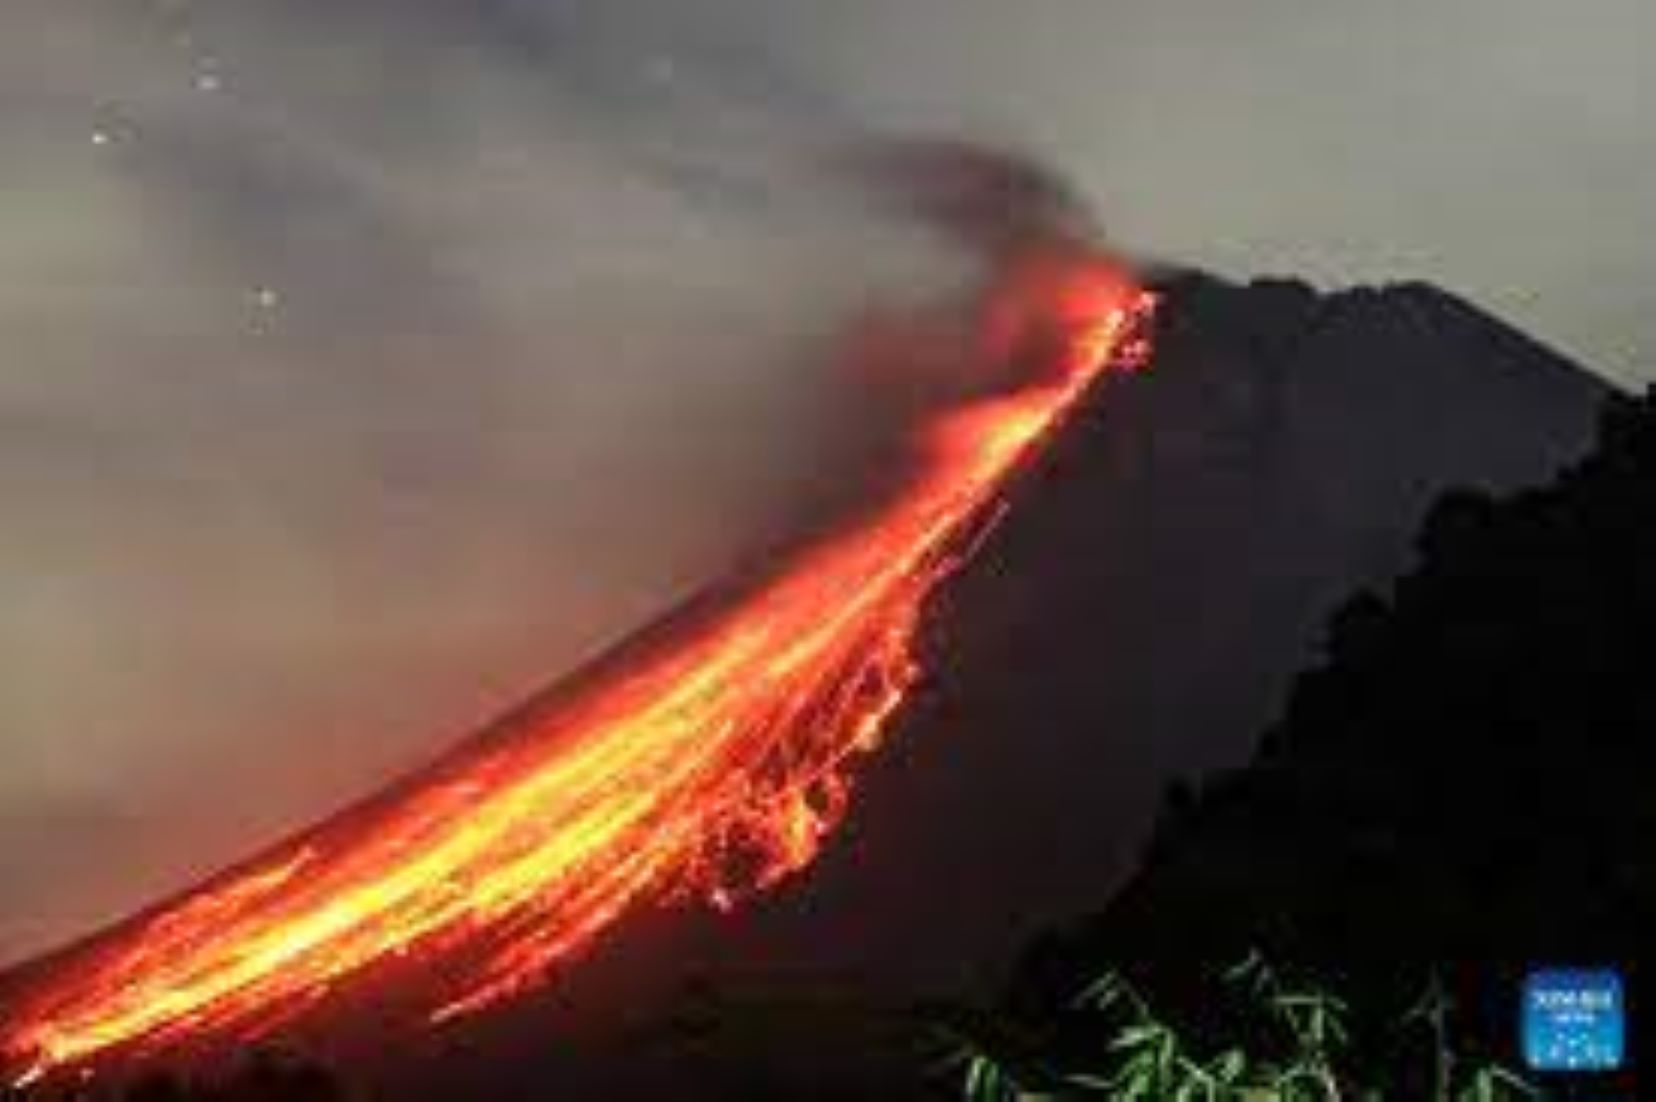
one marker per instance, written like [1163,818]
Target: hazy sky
[367,360]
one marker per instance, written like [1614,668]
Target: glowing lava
[711,764]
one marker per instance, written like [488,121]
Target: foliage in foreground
[1296,1048]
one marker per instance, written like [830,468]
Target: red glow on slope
[712,766]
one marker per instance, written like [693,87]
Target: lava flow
[710,765]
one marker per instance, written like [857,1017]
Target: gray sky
[369,361]
[1500,147]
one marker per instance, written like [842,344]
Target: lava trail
[709,765]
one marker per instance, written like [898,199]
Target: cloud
[356,390]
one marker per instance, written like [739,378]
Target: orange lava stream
[714,765]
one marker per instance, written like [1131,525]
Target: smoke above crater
[367,368]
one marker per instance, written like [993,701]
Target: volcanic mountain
[1134,618]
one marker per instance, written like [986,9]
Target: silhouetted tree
[1462,785]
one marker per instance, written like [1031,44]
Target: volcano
[1136,619]
[1133,617]
[708,759]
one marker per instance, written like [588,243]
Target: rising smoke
[370,366]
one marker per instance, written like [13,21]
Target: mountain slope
[1459,785]
[1136,618]
[1161,576]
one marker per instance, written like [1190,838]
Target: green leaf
[1138,1036]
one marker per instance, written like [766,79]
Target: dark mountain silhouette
[1461,785]
[1136,619]
[1163,573]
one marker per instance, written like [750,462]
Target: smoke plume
[360,380]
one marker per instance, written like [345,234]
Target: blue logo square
[1574,1019]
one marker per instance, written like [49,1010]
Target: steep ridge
[1136,618]
[1455,788]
